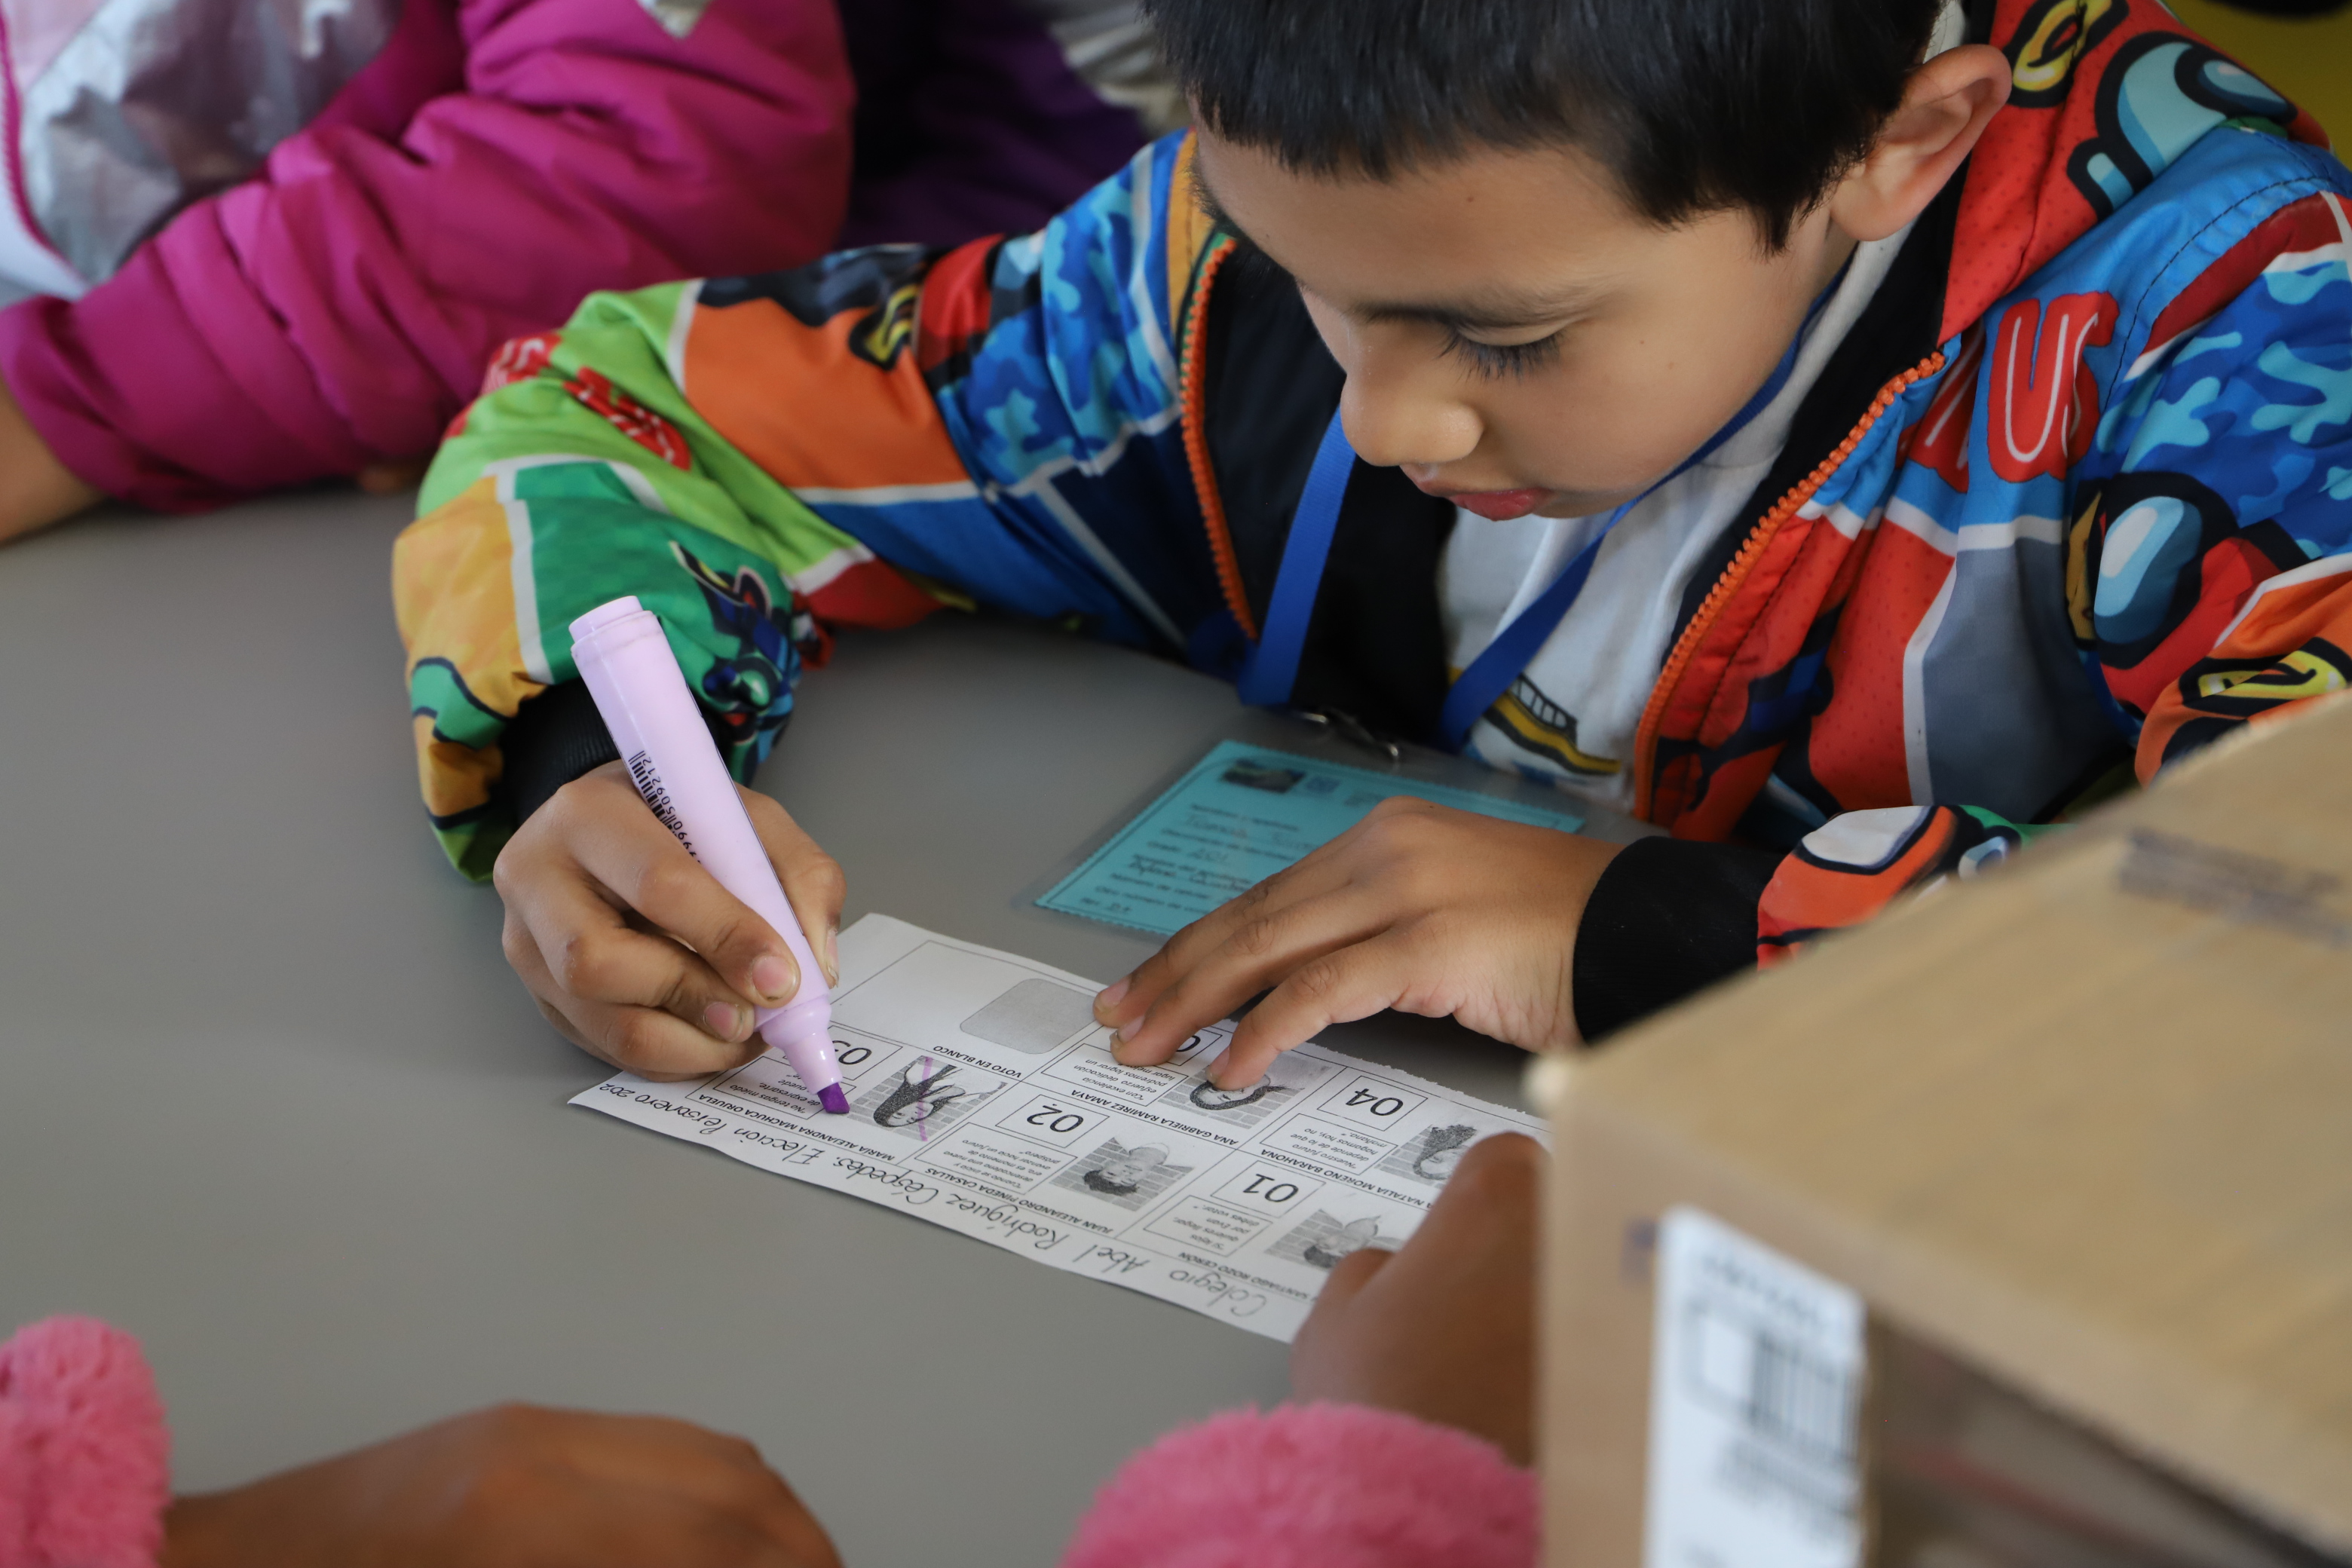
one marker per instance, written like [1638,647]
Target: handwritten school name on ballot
[982,1098]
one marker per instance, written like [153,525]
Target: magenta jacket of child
[85,1477]
[278,242]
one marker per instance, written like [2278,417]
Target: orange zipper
[1192,395]
[1728,586]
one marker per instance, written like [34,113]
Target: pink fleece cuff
[85,1461]
[1315,1486]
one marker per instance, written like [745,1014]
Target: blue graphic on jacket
[2160,95]
[752,689]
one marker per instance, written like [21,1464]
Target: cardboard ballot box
[2015,1228]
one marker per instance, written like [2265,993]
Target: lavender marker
[630,670]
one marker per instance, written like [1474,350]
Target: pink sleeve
[85,1461]
[1316,1485]
[339,308]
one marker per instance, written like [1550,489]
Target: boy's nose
[1395,424]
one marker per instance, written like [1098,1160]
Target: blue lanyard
[1270,670]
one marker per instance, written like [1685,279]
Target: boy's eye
[1495,360]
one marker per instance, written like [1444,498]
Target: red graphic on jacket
[630,417]
[519,359]
[2044,402]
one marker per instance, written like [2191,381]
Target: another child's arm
[35,490]
[1444,1329]
[85,1483]
[1416,1374]
[508,1487]
[335,310]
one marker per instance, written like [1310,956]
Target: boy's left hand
[1418,908]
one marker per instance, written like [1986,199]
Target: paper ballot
[983,1098]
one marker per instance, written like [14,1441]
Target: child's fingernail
[1108,998]
[772,977]
[830,955]
[1119,1046]
[727,1021]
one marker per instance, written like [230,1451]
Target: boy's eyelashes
[1495,361]
[1250,263]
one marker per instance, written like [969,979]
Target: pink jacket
[302,236]
[493,160]
[84,1478]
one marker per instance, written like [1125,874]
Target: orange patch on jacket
[808,408]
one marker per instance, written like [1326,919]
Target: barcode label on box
[1755,1387]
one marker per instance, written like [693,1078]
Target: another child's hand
[635,951]
[1444,1328]
[1418,907]
[512,1488]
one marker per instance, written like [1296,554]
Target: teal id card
[1239,815]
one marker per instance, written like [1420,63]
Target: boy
[1841,432]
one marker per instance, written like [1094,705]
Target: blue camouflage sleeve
[2210,566]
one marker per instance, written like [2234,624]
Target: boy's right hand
[633,950]
[1444,1327]
[512,1488]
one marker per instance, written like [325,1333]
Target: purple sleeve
[339,309]
[85,1460]
[1316,1485]
[971,121]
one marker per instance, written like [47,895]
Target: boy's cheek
[1600,440]
[1601,429]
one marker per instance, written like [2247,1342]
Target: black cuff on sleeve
[1667,918]
[555,736]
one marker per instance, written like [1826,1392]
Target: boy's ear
[1947,105]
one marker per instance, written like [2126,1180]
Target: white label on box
[1755,1387]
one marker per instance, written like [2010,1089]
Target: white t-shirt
[1570,717]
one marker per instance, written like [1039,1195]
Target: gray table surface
[273,1102]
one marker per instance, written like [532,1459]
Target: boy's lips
[1499,505]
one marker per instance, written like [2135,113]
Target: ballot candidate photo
[1209,1097]
[1122,1172]
[922,1093]
[1442,1149]
[1351,1238]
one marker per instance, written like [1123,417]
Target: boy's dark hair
[1695,105]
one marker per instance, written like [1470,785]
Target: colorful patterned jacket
[2072,498]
